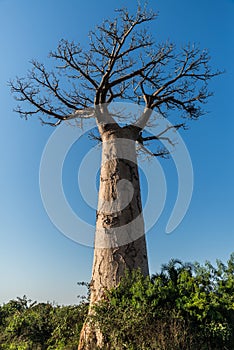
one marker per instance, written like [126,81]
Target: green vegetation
[41,326]
[184,307]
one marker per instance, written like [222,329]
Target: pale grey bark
[120,238]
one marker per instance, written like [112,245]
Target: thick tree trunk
[120,237]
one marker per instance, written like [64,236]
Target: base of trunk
[90,338]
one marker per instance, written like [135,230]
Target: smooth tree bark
[120,237]
[123,63]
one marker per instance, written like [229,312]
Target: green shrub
[40,326]
[184,307]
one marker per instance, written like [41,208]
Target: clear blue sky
[35,258]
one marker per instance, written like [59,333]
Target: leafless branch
[123,62]
[161,152]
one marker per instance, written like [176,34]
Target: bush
[184,307]
[40,326]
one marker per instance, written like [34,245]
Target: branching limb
[160,136]
[161,152]
[123,63]
[68,53]
[163,136]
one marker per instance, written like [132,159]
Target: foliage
[183,307]
[25,325]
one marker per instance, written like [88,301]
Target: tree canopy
[123,62]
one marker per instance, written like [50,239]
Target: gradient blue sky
[35,258]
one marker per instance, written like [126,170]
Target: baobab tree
[123,63]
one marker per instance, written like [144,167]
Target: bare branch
[161,152]
[160,136]
[122,63]
[67,52]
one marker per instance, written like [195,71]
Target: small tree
[123,63]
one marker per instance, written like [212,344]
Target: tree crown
[123,63]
